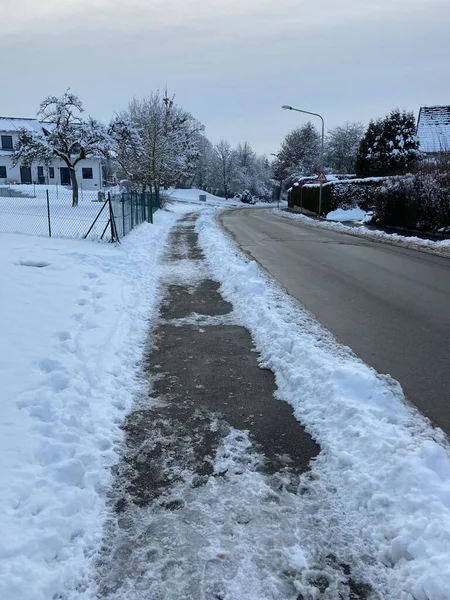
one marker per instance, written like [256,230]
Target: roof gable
[433,128]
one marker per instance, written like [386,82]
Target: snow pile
[74,319]
[382,480]
[347,214]
[434,247]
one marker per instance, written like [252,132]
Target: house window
[51,172]
[2,172]
[7,142]
[87,173]
[41,176]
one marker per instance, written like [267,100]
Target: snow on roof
[433,128]
[12,124]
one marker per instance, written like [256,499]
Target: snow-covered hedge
[419,202]
[336,194]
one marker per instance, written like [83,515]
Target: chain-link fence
[48,211]
[132,208]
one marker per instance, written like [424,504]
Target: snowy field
[192,196]
[74,320]
[435,247]
[379,491]
[28,213]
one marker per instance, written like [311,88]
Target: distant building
[89,171]
[433,129]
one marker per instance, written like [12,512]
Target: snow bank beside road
[435,247]
[349,214]
[73,320]
[382,481]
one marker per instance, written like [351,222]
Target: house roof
[12,124]
[433,128]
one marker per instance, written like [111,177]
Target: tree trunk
[74,183]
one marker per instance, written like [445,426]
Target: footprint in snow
[48,365]
[82,302]
[63,336]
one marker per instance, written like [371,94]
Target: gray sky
[231,63]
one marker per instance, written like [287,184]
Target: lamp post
[281,182]
[307,112]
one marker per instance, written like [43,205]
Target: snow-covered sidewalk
[442,248]
[74,318]
[380,488]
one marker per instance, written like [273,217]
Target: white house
[89,171]
[433,129]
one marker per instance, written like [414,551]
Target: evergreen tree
[389,146]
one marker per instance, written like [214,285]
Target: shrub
[419,202]
[338,194]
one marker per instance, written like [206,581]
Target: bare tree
[300,152]
[156,141]
[202,175]
[342,146]
[65,135]
[224,167]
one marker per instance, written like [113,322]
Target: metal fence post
[48,215]
[123,214]
[130,198]
[114,235]
[149,207]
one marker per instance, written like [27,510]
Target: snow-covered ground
[28,212]
[74,317]
[380,488]
[192,196]
[441,247]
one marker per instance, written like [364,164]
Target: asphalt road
[390,305]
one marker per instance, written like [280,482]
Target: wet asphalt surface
[205,383]
[390,305]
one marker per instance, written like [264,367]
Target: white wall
[13,173]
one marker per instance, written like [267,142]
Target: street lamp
[307,112]
[281,181]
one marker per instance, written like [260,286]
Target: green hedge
[338,194]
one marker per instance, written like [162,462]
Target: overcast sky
[231,63]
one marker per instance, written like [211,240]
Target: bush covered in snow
[346,193]
[418,202]
[246,197]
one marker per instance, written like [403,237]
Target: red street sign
[321,177]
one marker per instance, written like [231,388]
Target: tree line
[154,144]
[151,145]
[387,146]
